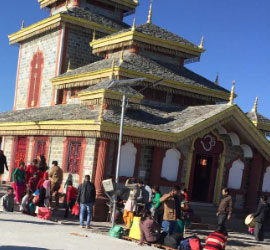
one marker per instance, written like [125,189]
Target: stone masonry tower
[60,43]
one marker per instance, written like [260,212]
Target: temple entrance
[202,175]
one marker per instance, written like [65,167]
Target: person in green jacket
[156,212]
[18,177]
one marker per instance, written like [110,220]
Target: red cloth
[41,181]
[215,241]
[72,193]
[30,170]
[186,196]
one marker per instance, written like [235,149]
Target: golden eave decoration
[140,37]
[130,4]
[53,22]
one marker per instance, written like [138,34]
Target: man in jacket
[145,194]
[86,199]
[172,210]
[225,208]
[260,218]
[56,178]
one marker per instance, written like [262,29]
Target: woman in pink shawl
[45,194]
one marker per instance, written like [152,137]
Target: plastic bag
[76,209]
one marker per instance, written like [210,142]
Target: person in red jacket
[45,177]
[31,169]
[217,240]
[72,194]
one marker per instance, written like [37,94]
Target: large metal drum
[250,221]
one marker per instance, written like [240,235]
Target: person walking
[86,199]
[260,217]
[56,178]
[172,210]
[225,208]
[18,177]
[3,164]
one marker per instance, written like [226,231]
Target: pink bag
[251,230]
[44,213]
[76,209]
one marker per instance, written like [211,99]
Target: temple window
[266,181]
[35,79]
[74,91]
[236,174]
[128,159]
[170,165]
[74,157]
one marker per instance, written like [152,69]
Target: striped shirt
[215,241]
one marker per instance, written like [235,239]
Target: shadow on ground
[21,248]
[29,222]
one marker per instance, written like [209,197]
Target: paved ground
[21,232]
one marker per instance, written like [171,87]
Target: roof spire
[217,80]
[121,59]
[134,24]
[202,43]
[149,20]
[22,27]
[66,5]
[232,93]
[94,35]
[113,63]
[255,107]
[69,65]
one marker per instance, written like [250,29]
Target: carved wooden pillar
[254,181]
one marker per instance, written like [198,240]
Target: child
[184,192]
[7,201]
[26,200]
[72,194]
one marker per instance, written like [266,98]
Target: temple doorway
[202,177]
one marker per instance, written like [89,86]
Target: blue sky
[237,41]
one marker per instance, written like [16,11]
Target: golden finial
[134,24]
[22,27]
[217,80]
[121,59]
[202,43]
[69,65]
[149,20]
[255,107]
[66,5]
[112,76]
[94,35]
[232,93]
[136,1]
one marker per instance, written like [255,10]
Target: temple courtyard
[21,232]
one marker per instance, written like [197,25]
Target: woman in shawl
[42,166]
[18,177]
[45,194]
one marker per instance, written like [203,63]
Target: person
[31,169]
[42,166]
[68,180]
[7,201]
[86,199]
[26,200]
[216,240]
[184,192]
[145,194]
[3,164]
[41,181]
[149,228]
[18,177]
[131,203]
[260,217]
[225,208]
[72,194]
[45,194]
[171,210]
[56,178]
[32,183]
[156,203]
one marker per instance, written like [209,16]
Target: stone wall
[47,43]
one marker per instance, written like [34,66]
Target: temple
[184,131]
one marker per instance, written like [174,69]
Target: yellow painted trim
[134,35]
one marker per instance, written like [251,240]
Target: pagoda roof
[74,15]
[256,117]
[137,63]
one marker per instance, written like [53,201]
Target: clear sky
[237,41]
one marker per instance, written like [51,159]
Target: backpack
[173,240]
[190,243]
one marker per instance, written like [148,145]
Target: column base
[100,210]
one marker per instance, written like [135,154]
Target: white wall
[236,174]
[170,165]
[128,160]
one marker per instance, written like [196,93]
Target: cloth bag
[76,209]
[135,231]
[44,213]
